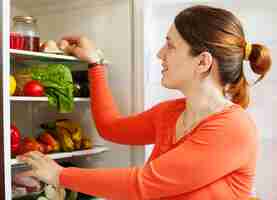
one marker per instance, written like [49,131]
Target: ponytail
[260,62]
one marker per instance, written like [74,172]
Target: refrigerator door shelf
[95,150]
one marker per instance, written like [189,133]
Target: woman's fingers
[43,167]
[63,44]
[35,155]
[34,159]
[48,159]
[74,50]
[35,164]
[72,39]
[79,52]
[80,41]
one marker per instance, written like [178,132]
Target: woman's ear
[205,61]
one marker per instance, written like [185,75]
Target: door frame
[5,154]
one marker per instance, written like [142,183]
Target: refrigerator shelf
[95,150]
[41,56]
[32,99]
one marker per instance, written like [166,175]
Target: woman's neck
[204,100]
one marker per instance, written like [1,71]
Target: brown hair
[219,32]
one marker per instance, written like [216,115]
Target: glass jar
[24,34]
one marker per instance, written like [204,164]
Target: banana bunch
[68,129]
[65,140]
[69,135]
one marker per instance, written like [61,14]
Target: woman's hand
[79,46]
[43,168]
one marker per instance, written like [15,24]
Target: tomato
[15,139]
[33,88]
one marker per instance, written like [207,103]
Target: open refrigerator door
[45,100]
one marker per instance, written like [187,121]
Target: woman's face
[178,65]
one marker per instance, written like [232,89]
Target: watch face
[95,56]
[98,57]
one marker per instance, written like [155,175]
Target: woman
[205,144]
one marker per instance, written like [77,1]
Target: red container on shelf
[24,34]
[16,41]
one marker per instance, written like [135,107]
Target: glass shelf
[95,150]
[39,99]
[29,58]
[41,55]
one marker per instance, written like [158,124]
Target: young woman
[205,144]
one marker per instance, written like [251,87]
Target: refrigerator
[130,32]
[116,26]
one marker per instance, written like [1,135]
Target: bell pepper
[48,139]
[15,139]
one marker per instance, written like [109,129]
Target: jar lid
[26,19]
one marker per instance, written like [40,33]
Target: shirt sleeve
[214,152]
[132,130]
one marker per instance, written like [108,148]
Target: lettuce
[58,84]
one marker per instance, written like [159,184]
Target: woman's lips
[164,69]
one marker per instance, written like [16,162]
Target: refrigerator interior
[108,24]
[258,20]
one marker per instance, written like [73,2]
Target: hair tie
[247,50]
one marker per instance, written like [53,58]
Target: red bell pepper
[15,139]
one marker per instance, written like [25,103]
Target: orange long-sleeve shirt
[214,161]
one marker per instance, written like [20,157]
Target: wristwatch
[98,58]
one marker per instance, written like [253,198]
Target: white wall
[257,19]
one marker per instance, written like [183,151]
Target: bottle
[24,34]
[81,83]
